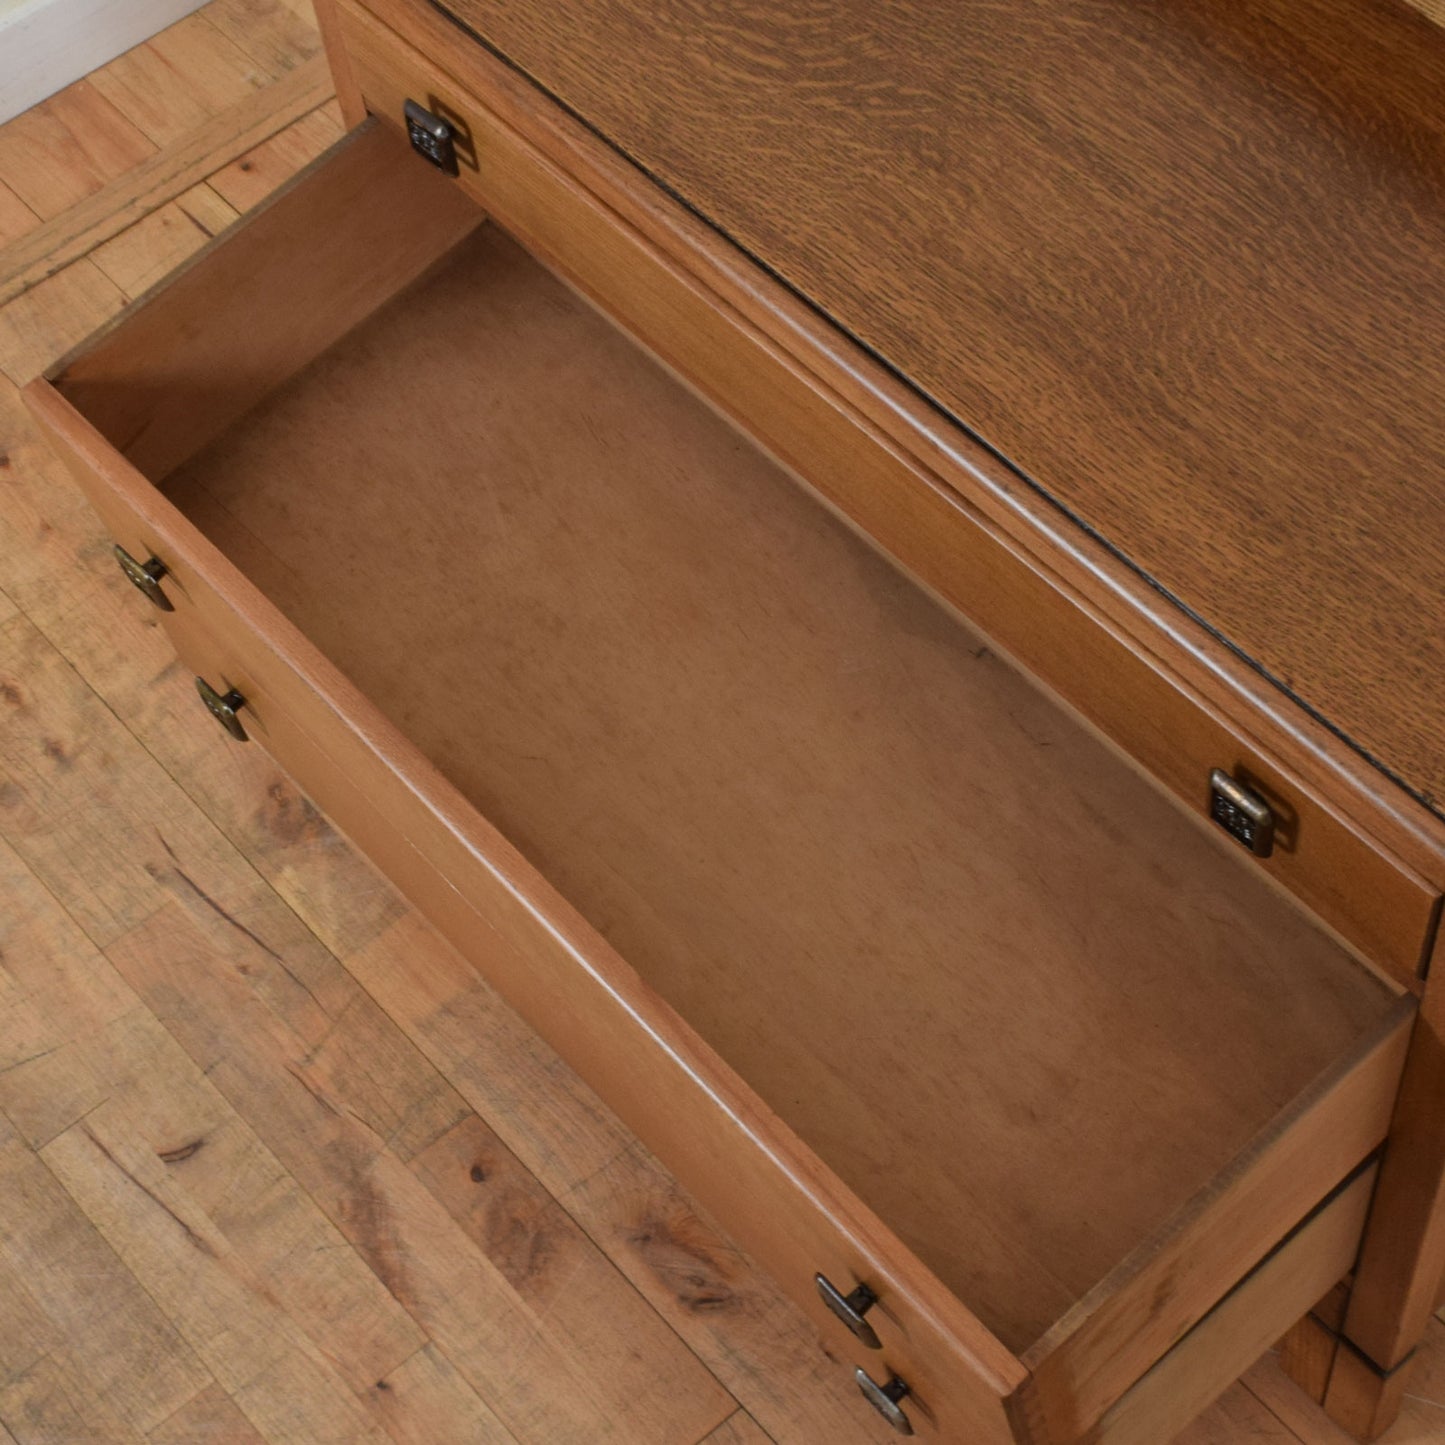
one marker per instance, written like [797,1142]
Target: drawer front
[776,1198]
[575,204]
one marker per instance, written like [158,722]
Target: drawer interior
[1017,1000]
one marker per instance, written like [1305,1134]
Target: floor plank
[276,37]
[40,326]
[336,1112]
[178,80]
[76,1325]
[1288,1404]
[1237,1415]
[109,832]
[250,179]
[753,1340]
[148,251]
[68,147]
[16,218]
[226,1312]
[212,1418]
[79,1060]
[168,173]
[739,1429]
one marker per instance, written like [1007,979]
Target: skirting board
[46,44]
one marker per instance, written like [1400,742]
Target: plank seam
[161,177]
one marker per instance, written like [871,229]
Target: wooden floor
[253,1185]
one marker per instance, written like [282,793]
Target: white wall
[45,44]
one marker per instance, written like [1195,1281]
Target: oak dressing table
[880,571]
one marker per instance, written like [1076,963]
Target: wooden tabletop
[1181,264]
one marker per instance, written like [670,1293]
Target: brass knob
[850,1308]
[146,576]
[223,707]
[885,1399]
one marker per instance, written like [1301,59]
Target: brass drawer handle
[146,576]
[223,707]
[1242,813]
[850,1308]
[885,1399]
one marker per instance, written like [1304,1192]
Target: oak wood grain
[1179,263]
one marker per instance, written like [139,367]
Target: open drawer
[915,983]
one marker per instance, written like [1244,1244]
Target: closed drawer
[903,972]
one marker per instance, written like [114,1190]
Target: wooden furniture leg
[1307,1352]
[348,92]
[1402,1260]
